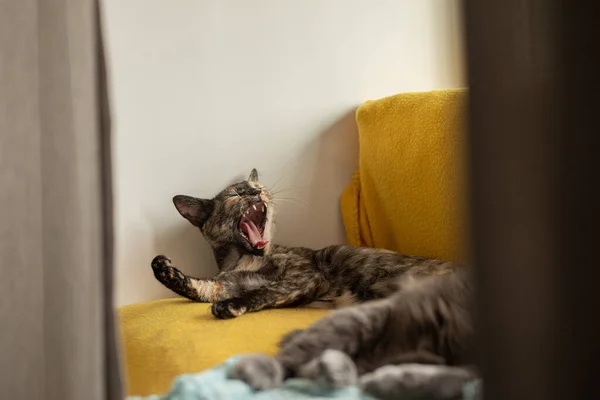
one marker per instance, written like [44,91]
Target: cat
[238,223]
[418,341]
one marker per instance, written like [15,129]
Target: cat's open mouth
[252,225]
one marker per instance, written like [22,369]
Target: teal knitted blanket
[214,385]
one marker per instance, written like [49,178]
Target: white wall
[203,91]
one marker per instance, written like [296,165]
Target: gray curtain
[57,333]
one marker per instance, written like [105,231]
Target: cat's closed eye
[249,192]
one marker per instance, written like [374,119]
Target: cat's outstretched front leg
[253,300]
[270,295]
[196,289]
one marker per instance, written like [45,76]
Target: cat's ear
[253,176]
[193,209]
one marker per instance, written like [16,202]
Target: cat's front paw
[230,308]
[160,262]
[169,276]
[332,368]
[416,381]
[259,371]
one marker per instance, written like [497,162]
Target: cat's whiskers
[293,201]
[285,190]
[280,179]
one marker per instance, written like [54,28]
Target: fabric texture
[56,336]
[214,385]
[166,338]
[407,194]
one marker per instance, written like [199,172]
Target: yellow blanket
[407,194]
[165,338]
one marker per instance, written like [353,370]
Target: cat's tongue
[253,234]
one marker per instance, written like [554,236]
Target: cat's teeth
[265,205]
[262,208]
[253,206]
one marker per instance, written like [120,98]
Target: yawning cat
[257,274]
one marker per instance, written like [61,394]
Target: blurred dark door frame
[533,77]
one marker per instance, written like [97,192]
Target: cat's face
[242,214]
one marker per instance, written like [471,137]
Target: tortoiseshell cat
[238,224]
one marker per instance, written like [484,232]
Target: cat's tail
[195,289]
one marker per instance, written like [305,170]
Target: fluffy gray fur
[385,345]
